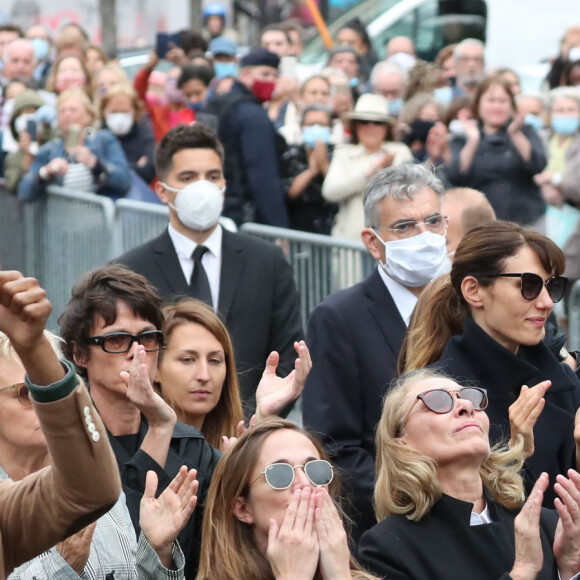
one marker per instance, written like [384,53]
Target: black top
[444,546]
[499,171]
[475,357]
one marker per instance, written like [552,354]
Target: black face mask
[420,130]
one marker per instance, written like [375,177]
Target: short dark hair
[12,28]
[276,28]
[197,136]
[484,86]
[192,72]
[190,40]
[96,293]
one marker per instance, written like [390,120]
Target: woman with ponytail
[483,325]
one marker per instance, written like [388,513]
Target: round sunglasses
[21,392]
[281,475]
[442,401]
[531,285]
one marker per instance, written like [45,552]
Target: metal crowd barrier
[67,233]
[574,317]
[321,264]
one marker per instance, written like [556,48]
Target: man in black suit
[355,335]
[246,280]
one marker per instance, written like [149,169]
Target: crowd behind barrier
[67,233]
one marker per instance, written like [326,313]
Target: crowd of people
[440,406]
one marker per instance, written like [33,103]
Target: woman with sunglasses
[371,149]
[449,507]
[271,514]
[107,548]
[503,284]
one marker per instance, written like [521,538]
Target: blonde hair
[229,550]
[83,98]
[407,482]
[7,350]
[125,90]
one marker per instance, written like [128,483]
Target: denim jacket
[111,174]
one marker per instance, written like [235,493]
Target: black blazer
[354,336]
[258,301]
[475,357]
[443,546]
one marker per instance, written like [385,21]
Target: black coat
[354,337]
[258,301]
[505,178]
[476,357]
[443,546]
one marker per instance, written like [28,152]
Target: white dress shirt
[211,260]
[404,299]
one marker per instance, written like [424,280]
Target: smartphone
[288,66]
[74,137]
[31,129]
[164,42]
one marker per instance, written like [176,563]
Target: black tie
[199,284]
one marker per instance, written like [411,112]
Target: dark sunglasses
[281,475]
[366,122]
[118,342]
[442,401]
[21,393]
[532,284]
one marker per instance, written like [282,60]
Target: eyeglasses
[21,392]
[442,401]
[436,223]
[366,122]
[532,284]
[281,475]
[118,342]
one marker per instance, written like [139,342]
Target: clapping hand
[567,537]
[524,413]
[140,392]
[162,519]
[274,392]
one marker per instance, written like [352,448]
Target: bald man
[465,208]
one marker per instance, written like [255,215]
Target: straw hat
[369,107]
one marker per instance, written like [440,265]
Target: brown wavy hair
[406,482]
[229,550]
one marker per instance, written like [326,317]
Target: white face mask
[198,204]
[415,261]
[119,123]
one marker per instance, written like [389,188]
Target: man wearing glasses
[469,66]
[112,331]
[355,335]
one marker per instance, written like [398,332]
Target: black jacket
[505,178]
[258,301]
[188,447]
[476,357]
[354,337]
[443,546]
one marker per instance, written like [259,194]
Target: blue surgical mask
[534,121]
[353,82]
[395,107]
[315,133]
[40,48]
[225,69]
[565,125]
[443,95]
